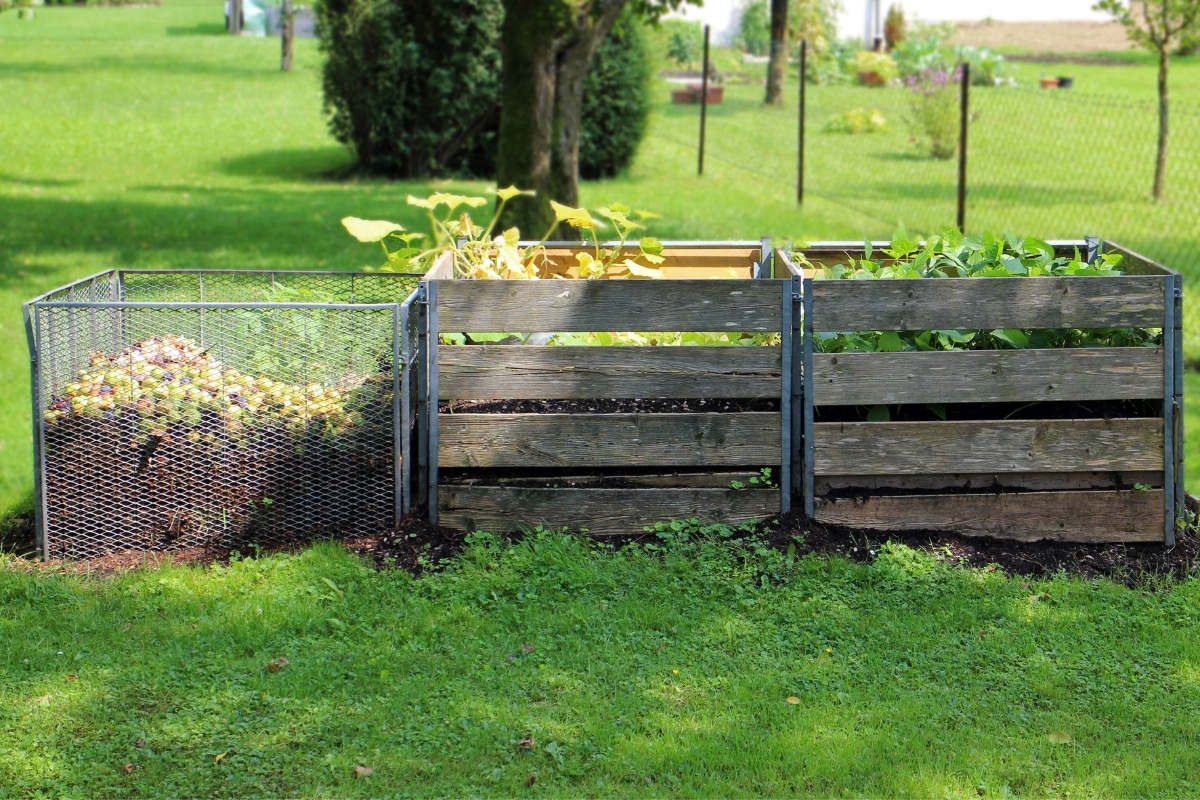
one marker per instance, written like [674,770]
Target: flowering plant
[933,111]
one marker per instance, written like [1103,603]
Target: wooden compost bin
[1095,478]
[610,473]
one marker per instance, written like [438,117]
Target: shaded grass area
[663,669]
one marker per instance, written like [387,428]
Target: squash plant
[480,252]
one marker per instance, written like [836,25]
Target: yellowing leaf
[589,267]
[512,237]
[217,760]
[566,213]
[642,272]
[453,201]
[794,700]
[420,202]
[1059,737]
[509,192]
[369,230]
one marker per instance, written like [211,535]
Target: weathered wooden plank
[1029,481]
[1044,445]
[988,303]
[532,373]
[614,480]
[442,269]
[603,512]
[556,305]
[1129,516]
[608,440]
[988,376]
[1134,263]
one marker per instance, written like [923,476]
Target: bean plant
[987,255]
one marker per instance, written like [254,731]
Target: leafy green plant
[857,120]
[685,43]
[874,69]
[616,100]
[934,111]
[953,255]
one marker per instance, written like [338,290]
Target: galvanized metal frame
[785,400]
[809,476]
[32,335]
[1169,336]
[402,354]
[1177,429]
[422,394]
[431,407]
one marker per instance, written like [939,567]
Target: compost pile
[160,445]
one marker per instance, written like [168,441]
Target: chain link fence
[187,409]
[1053,163]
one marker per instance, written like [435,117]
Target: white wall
[721,15]
[850,22]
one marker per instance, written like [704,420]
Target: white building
[723,15]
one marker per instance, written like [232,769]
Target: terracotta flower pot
[1049,83]
[871,79]
[693,92]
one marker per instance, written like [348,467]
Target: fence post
[703,103]
[800,164]
[964,94]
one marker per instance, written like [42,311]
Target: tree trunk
[777,66]
[1160,162]
[288,18]
[546,52]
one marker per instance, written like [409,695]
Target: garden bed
[632,442]
[981,469]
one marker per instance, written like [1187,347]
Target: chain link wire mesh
[1053,163]
[168,422]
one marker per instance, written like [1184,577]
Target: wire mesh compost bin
[180,409]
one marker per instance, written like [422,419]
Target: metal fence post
[964,95]
[703,103]
[800,163]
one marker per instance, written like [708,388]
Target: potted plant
[874,69]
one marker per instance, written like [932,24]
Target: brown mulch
[419,547]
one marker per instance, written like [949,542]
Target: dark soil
[419,547]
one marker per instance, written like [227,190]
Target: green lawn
[639,673]
[144,137]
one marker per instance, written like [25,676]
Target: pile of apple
[170,382]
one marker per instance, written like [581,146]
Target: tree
[1161,26]
[777,66]
[546,47]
